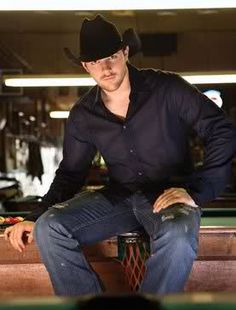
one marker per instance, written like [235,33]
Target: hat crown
[98,39]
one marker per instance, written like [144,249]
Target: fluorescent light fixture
[85,80]
[103,5]
[48,81]
[59,114]
[210,78]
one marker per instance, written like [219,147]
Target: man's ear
[126,52]
[84,64]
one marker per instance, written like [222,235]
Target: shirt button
[124,127]
[131,151]
[140,173]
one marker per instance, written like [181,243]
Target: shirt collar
[138,85]
[137,80]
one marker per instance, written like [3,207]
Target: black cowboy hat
[100,38]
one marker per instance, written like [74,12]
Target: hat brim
[94,57]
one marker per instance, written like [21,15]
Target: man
[139,120]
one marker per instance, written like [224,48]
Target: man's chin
[109,88]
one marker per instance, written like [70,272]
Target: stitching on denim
[97,221]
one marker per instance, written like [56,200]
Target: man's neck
[118,101]
[122,92]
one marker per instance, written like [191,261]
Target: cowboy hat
[100,38]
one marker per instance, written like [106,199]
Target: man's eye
[93,63]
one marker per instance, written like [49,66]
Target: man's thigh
[92,216]
[176,217]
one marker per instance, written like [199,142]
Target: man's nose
[106,65]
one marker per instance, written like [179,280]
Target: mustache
[107,75]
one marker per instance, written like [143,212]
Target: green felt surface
[229,221]
[210,216]
[76,305]
[13,214]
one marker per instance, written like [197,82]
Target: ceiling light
[166,13]
[85,80]
[208,12]
[48,81]
[59,114]
[102,5]
[210,78]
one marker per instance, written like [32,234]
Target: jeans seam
[80,226]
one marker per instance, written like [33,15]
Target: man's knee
[181,229]
[48,222]
[185,239]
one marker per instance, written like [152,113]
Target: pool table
[227,200]
[190,301]
[211,216]
[214,269]
[215,215]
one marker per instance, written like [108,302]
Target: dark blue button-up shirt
[149,150]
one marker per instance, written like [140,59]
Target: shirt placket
[132,152]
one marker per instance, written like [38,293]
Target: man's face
[109,72]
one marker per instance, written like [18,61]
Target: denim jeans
[93,216]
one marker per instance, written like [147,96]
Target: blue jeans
[91,217]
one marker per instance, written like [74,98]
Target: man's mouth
[109,77]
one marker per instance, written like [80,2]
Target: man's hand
[171,196]
[15,234]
